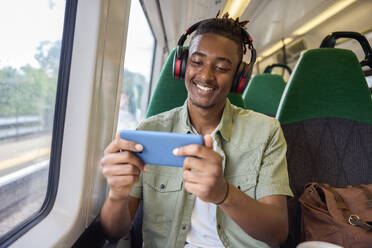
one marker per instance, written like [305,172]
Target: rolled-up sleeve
[137,189]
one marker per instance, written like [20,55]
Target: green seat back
[170,92]
[236,99]
[263,93]
[326,117]
[340,90]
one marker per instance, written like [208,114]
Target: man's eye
[222,69]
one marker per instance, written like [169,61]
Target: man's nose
[207,73]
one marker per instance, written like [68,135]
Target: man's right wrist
[115,198]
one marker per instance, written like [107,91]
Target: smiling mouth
[204,88]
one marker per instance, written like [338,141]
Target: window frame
[153,52]
[58,128]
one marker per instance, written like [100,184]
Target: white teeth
[204,88]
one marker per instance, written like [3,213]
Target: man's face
[211,65]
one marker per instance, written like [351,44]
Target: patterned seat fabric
[318,153]
[326,117]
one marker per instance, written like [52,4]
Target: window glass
[137,69]
[30,44]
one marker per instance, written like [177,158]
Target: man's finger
[121,170]
[191,150]
[122,158]
[198,151]
[191,163]
[192,176]
[195,189]
[121,144]
[120,181]
[208,141]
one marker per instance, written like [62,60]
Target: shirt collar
[224,127]
[185,120]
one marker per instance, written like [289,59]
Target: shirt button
[219,226]
[239,187]
[184,227]
[162,186]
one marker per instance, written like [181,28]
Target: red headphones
[242,75]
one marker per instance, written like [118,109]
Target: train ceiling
[270,20]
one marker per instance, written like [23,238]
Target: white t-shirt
[203,231]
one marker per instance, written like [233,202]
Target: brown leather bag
[342,216]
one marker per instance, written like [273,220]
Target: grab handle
[330,41]
[269,68]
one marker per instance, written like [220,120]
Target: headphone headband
[243,73]
[244,33]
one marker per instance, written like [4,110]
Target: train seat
[326,117]
[170,92]
[263,93]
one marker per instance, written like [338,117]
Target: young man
[232,191]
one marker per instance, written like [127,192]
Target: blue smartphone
[158,146]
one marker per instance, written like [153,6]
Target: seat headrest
[326,82]
[263,93]
[169,92]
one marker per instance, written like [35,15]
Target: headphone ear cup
[242,77]
[185,55]
[237,77]
[179,62]
[176,63]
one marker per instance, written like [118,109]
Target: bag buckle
[353,219]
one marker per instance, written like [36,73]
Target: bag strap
[352,219]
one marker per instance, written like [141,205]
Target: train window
[137,69]
[30,50]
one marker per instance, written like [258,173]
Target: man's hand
[202,171]
[121,167]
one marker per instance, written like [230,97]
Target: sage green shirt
[253,150]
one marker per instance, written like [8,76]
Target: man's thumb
[208,141]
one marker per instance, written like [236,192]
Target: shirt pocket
[246,182]
[161,195]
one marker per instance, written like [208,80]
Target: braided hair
[226,27]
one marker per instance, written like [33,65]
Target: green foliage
[30,90]
[48,56]
[133,84]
